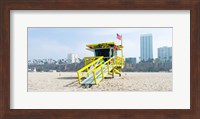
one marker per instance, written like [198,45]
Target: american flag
[119,36]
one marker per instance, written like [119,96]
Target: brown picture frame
[7,5]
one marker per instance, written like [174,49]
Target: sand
[129,81]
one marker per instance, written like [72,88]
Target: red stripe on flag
[119,36]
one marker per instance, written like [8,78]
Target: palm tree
[157,60]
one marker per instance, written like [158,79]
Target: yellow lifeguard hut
[104,62]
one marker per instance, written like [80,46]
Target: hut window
[102,52]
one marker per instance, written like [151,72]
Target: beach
[129,81]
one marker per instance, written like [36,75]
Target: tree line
[142,66]
[147,67]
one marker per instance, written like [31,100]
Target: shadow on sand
[108,77]
[68,78]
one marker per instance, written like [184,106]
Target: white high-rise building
[72,58]
[146,47]
[165,53]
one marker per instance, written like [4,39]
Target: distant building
[52,71]
[165,53]
[131,60]
[32,70]
[72,58]
[146,47]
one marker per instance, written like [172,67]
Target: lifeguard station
[105,62]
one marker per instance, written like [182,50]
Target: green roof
[104,45]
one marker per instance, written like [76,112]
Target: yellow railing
[88,60]
[119,61]
[97,67]
[108,65]
[86,70]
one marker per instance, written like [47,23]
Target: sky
[57,43]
